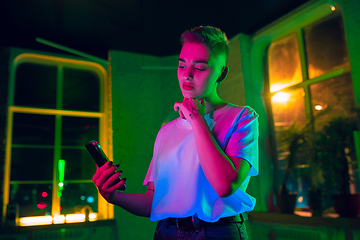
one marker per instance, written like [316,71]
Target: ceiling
[142,26]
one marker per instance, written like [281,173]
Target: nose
[188,75]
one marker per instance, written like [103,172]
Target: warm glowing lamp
[318,107]
[32,221]
[281,97]
[71,218]
[59,219]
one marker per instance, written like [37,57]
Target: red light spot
[87,126]
[42,205]
[60,208]
[44,194]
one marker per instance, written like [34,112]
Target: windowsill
[25,229]
[301,218]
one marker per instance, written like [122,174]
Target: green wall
[141,99]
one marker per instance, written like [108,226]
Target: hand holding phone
[98,155]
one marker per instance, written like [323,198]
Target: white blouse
[181,188]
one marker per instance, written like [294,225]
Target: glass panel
[33,129]
[76,197]
[76,131]
[32,164]
[35,85]
[81,90]
[78,164]
[33,199]
[326,47]
[336,96]
[287,108]
[284,63]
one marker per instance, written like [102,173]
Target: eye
[201,69]
[181,67]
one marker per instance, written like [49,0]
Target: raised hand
[190,108]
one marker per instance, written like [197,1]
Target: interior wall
[142,97]
[232,88]
[351,16]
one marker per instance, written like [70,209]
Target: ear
[223,75]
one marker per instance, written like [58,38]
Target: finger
[111,181]
[195,101]
[104,176]
[120,171]
[176,106]
[182,115]
[119,186]
[100,170]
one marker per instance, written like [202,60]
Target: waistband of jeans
[196,223]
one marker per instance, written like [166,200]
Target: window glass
[81,90]
[326,47]
[77,197]
[35,85]
[76,131]
[78,164]
[35,150]
[335,96]
[31,164]
[284,63]
[33,129]
[287,108]
[33,199]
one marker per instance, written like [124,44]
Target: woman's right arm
[107,183]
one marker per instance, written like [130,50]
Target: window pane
[287,108]
[78,164]
[33,199]
[35,85]
[31,164]
[76,131]
[76,196]
[81,90]
[33,129]
[336,96]
[284,63]
[326,47]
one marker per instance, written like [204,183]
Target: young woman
[203,160]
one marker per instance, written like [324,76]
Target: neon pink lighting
[44,194]
[42,205]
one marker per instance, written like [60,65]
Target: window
[55,106]
[309,82]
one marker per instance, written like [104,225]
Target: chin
[187,95]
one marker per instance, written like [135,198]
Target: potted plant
[334,146]
[299,141]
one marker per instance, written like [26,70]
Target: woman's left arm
[225,174]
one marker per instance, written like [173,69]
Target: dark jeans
[230,231]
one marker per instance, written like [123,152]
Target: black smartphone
[98,155]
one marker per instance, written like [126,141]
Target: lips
[187,87]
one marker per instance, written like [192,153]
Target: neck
[213,104]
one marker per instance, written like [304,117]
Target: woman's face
[198,71]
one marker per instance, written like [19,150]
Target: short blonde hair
[212,37]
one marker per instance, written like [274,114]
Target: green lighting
[61,168]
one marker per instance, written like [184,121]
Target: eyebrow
[196,61]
